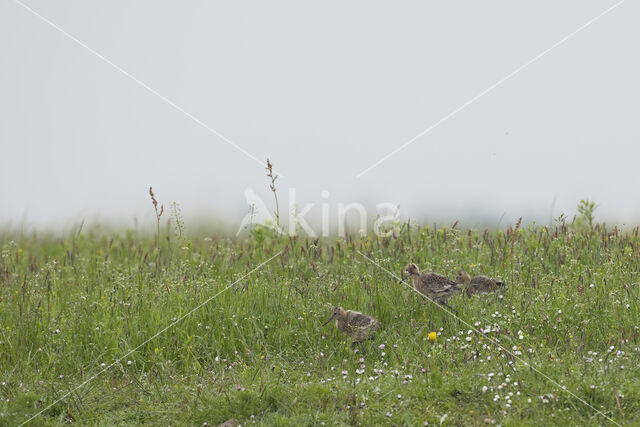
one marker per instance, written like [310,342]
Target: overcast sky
[187,95]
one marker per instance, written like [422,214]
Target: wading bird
[434,286]
[359,327]
[479,284]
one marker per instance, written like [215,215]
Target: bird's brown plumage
[358,326]
[478,284]
[434,286]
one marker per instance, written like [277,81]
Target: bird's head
[463,277]
[337,313]
[412,269]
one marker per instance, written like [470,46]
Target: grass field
[560,346]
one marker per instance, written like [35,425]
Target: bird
[358,326]
[478,284]
[434,286]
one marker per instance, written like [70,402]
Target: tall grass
[257,351]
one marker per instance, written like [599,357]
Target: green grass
[257,351]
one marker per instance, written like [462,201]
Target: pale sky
[324,90]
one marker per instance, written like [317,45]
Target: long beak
[330,319]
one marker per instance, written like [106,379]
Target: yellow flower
[432,336]
[262,357]
[156,350]
[19,251]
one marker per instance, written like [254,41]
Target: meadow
[98,327]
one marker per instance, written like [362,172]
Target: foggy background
[324,90]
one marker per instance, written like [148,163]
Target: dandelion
[432,336]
